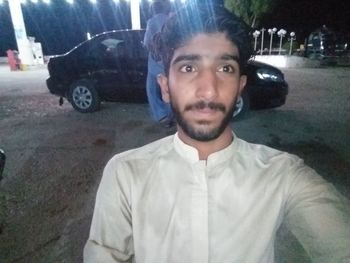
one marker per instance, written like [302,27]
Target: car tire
[84,97]
[242,105]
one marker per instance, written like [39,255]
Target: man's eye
[187,68]
[227,69]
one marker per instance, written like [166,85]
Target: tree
[250,11]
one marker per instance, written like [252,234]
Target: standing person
[205,195]
[160,110]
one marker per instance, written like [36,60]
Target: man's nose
[207,86]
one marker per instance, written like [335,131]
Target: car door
[106,66]
[137,67]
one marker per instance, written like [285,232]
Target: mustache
[202,105]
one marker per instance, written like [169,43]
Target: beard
[203,133]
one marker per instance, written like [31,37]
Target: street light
[262,40]
[271,32]
[281,34]
[292,37]
[256,35]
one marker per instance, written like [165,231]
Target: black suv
[112,66]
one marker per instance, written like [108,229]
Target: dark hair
[202,18]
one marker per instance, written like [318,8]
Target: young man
[204,195]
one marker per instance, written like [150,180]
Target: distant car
[112,66]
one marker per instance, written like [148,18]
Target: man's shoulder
[157,19]
[148,151]
[264,153]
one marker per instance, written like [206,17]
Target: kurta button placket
[200,214]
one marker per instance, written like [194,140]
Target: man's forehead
[214,45]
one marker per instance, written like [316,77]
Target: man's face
[203,85]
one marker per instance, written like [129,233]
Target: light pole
[256,35]
[271,32]
[23,44]
[281,34]
[292,37]
[135,14]
[262,40]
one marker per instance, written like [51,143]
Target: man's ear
[242,83]
[164,87]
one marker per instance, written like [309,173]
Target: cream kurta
[161,204]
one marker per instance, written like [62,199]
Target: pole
[255,42]
[292,35]
[262,40]
[135,14]
[23,44]
[279,51]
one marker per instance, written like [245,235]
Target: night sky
[304,16]
[60,26]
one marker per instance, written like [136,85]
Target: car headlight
[269,75]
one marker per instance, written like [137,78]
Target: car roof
[103,34]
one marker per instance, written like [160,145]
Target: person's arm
[319,216]
[111,238]
[150,31]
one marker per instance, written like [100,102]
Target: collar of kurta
[190,153]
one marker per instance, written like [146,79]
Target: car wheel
[83,96]
[242,105]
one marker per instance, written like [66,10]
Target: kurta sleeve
[318,215]
[110,238]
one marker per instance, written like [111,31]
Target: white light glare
[116,1]
[35,1]
[23,2]
[47,1]
[1,2]
[70,1]
[93,1]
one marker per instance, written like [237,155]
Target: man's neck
[206,148]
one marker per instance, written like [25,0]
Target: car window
[118,47]
[108,47]
[116,50]
[139,49]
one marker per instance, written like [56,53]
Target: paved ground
[56,155]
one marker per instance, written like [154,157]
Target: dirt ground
[56,155]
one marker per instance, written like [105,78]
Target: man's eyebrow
[191,57]
[195,57]
[230,57]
